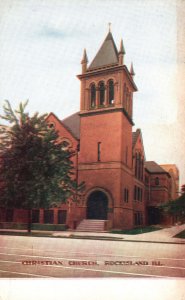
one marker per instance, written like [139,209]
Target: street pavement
[149,255]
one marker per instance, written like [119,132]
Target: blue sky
[42,43]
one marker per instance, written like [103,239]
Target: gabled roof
[107,54]
[153,167]
[72,123]
[134,137]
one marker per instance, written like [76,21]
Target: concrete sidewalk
[165,235]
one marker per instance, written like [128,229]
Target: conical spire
[84,58]
[132,73]
[109,24]
[122,49]
[107,54]
[84,62]
[121,53]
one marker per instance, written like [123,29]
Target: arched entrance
[97,206]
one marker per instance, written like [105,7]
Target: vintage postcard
[92,176]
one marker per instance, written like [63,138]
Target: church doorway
[154,216]
[97,206]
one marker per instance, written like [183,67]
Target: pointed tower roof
[132,70]
[122,49]
[107,54]
[84,58]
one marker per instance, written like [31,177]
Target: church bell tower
[106,104]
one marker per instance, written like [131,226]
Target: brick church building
[122,190]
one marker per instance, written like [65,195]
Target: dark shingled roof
[107,54]
[153,167]
[72,123]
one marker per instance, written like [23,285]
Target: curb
[102,238]
[116,239]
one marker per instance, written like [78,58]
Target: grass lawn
[19,233]
[180,235]
[137,230]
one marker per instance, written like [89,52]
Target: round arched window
[124,92]
[102,92]
[111,92]
[93,96]
[51,125]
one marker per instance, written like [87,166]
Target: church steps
[89,225]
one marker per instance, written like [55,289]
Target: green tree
[183,189]
[175,208]
[35,171]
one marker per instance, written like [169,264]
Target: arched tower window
[124,94]
[93,95]
[111,91]
[128,103]
[127,99]
[102,92]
